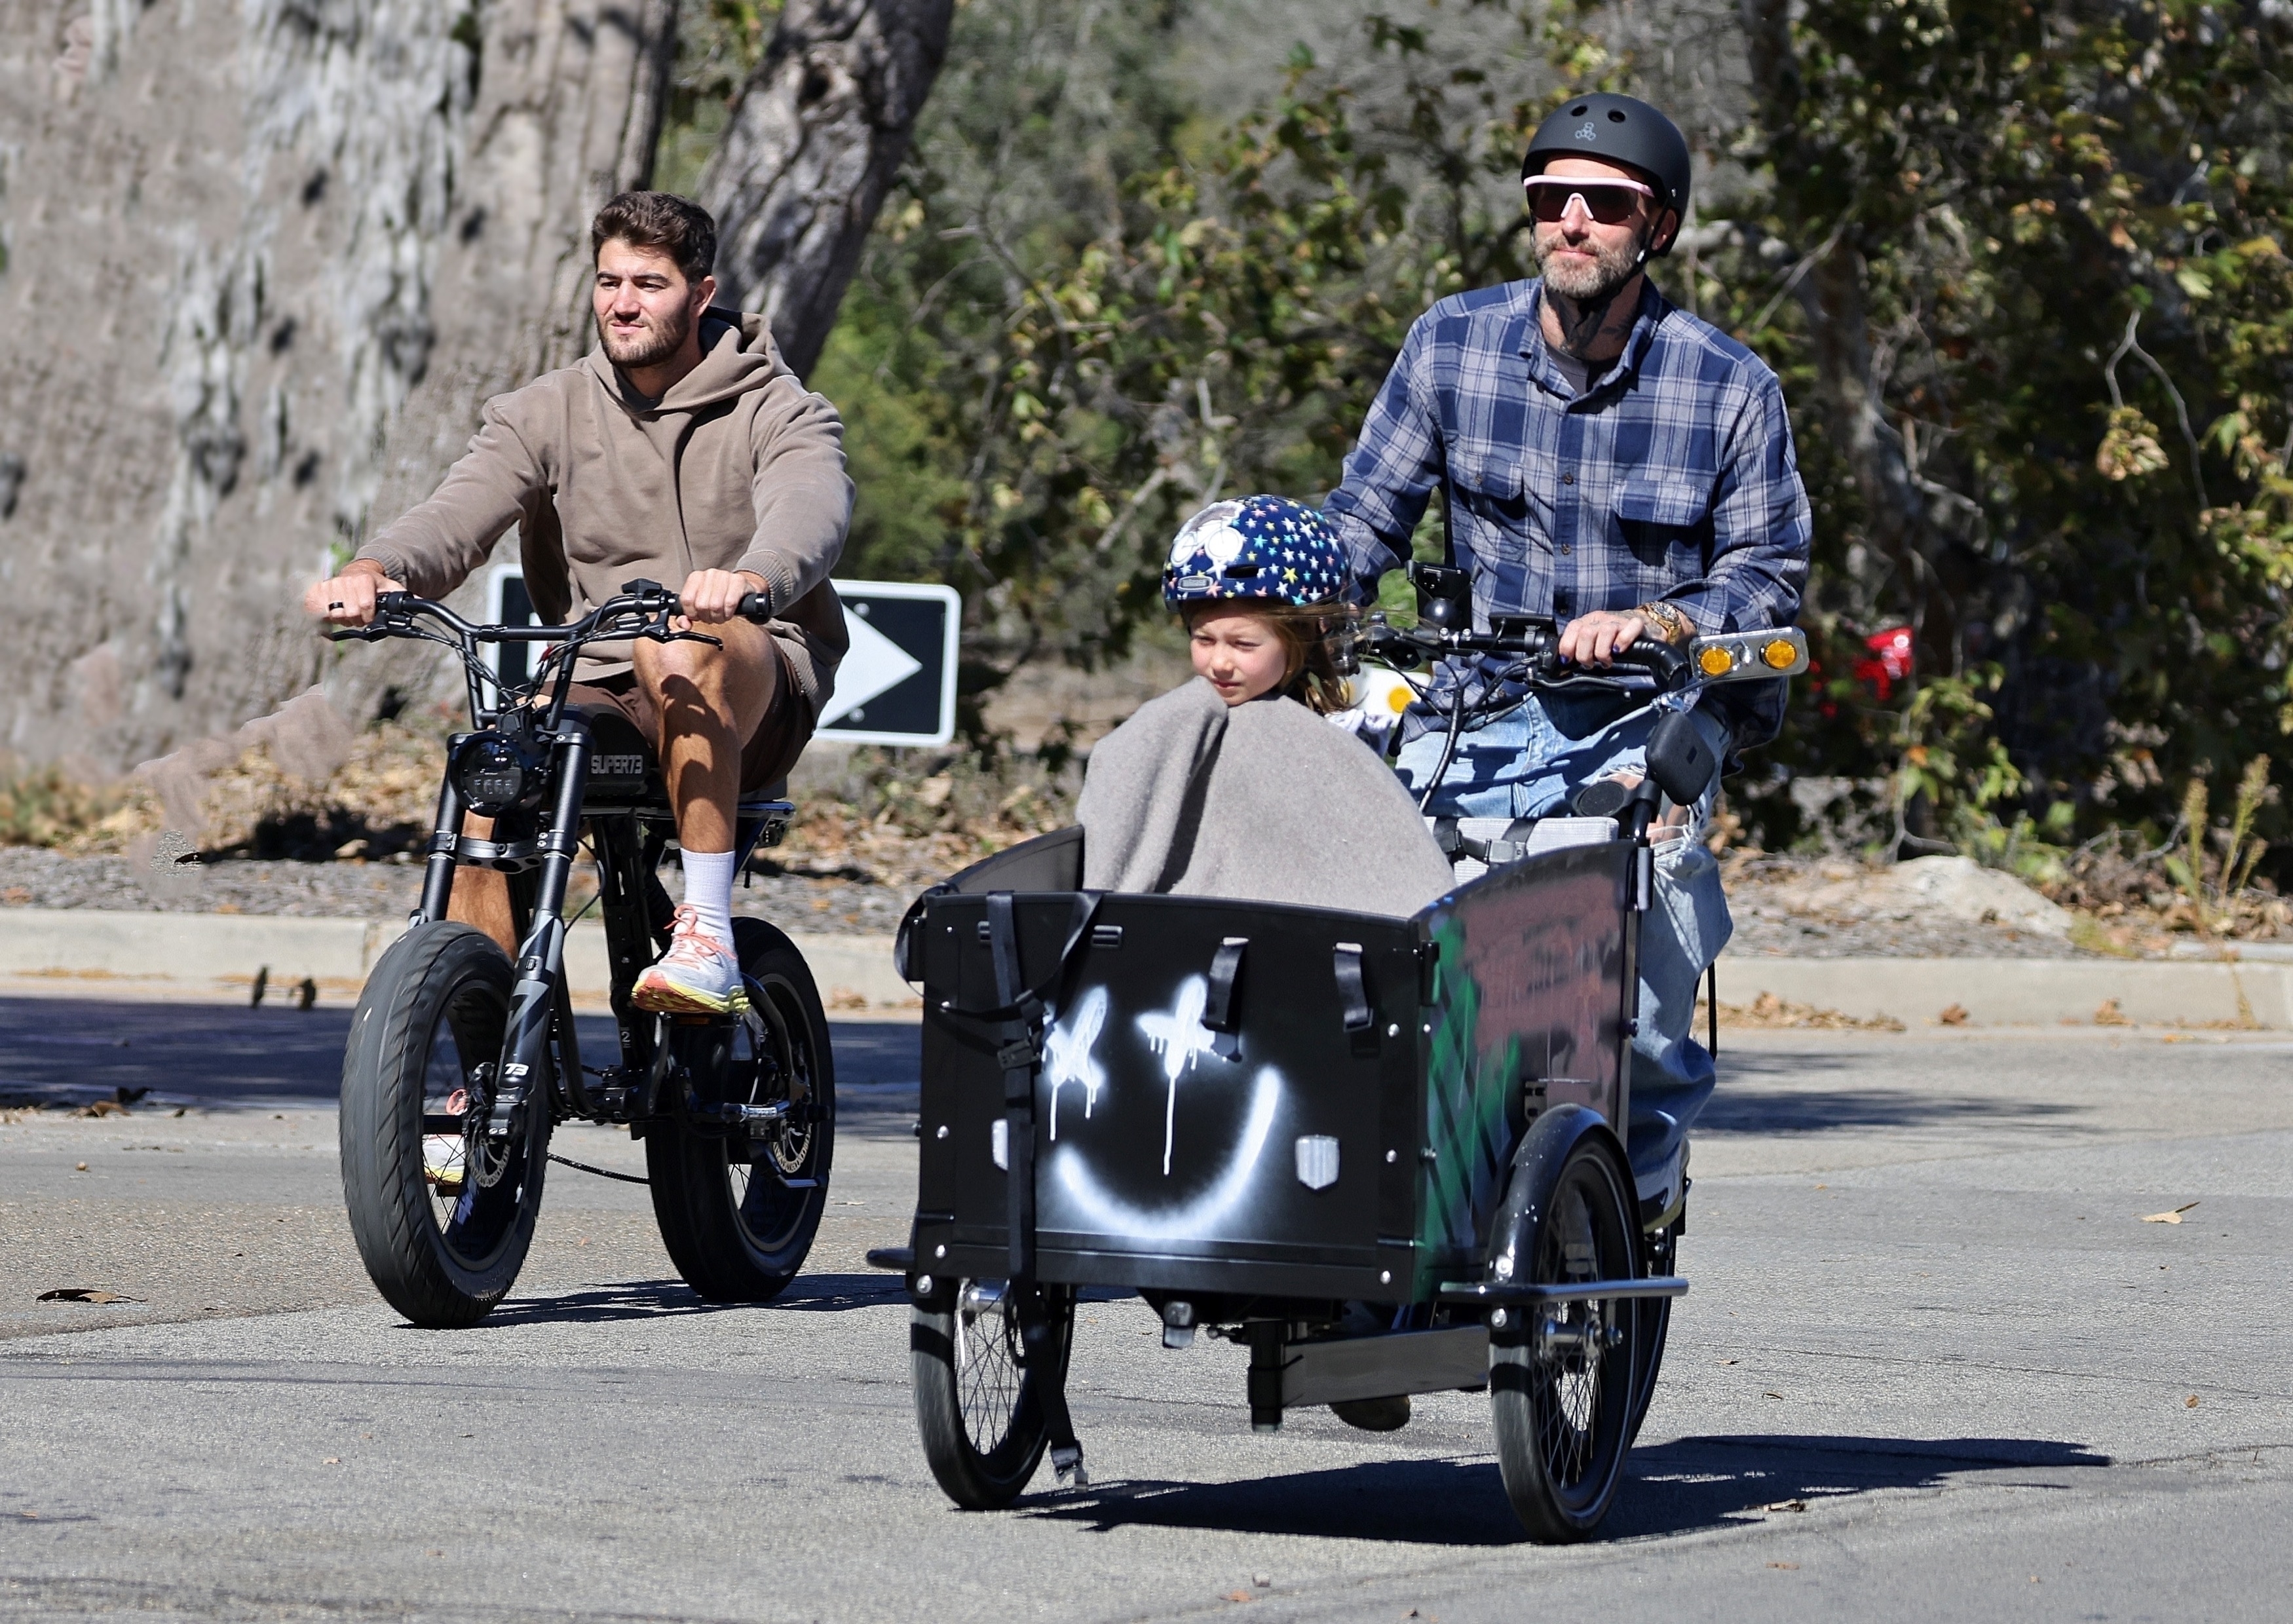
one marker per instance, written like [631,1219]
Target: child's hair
[1308,637]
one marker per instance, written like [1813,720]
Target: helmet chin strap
[1648,239]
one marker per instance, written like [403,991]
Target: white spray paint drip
[1067,1055]
[1182,1040]
[1200,1217]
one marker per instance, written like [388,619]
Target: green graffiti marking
[1466,1124]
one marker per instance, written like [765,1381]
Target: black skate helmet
[1617,130]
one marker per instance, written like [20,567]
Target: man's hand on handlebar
[1596,639]
[710,597]
[348,598]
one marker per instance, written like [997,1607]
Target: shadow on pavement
[1741,1105]
[1742,1110]
[1691,1483]
[662,1299]
[1412,1502]
[68,1051]
[1676,1488]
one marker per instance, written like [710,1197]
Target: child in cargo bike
[1236,784]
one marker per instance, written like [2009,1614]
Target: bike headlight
[493,775]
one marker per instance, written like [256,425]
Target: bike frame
[628,832]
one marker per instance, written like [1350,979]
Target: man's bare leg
[482,896]
[710,701]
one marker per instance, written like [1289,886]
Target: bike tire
[978,1407]
[441,1245]
[1563,1412]
[738,1213]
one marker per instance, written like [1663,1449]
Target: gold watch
[1669,625]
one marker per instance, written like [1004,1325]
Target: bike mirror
[1679,760]
[1445,595]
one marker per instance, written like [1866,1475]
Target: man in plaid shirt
[1610,463]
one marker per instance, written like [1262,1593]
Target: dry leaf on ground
[1956,1016]
[84,1294]
[1769,1011]
[2174,1216]
[2109,1014]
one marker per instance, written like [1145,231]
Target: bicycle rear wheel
[739,1207]
[1561,1375]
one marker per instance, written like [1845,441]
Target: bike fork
[438,867]
[541,957]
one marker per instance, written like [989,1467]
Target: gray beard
[1595,286]
[664,342]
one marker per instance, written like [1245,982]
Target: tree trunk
[266,261]
[810,152]
[1833,296]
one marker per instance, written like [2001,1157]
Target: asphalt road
[1935,1366]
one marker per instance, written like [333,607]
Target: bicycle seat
[1475,845]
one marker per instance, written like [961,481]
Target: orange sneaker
[697,976]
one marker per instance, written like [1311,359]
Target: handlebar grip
[1660,661]
[757,606]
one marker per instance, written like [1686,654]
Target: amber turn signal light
[1716,661]
[1779,654]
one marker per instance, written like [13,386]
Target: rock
[1953,887]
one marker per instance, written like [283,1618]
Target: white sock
[709,887]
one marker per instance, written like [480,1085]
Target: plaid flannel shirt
[1672,477]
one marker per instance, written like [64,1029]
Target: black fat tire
[733,1227]
[979,1409]
[438,1000]
[1563,1419]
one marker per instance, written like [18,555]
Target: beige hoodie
[738,467]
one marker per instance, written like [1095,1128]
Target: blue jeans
[1525,764]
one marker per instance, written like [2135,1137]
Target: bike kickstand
[1036,1339]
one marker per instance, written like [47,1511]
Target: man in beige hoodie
[681,449]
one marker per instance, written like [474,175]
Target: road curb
[91,950]
[158,954]
[2021,991]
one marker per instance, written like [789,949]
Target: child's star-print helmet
[1261,549]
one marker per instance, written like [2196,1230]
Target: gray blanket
[1265,800]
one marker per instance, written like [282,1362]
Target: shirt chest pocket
[1492,490]
[1658,519]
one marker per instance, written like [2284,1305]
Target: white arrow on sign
[873,665]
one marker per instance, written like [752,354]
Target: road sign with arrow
[896,684]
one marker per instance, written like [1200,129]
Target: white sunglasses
[1608,202]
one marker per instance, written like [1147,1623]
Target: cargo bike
[461,1060]
[1385,1155]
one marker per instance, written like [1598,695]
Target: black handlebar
[640,610]
[646,601]
[1537,646]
